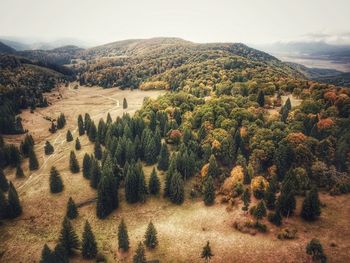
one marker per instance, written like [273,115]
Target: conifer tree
[131,185]
[73,163]
[261,98]
[92,133]
[72,211]
[89,245]
[177,191]
[77,144]
[140,256]
[4,185]
[125,103]
[154,183]
[315,250]
[87,122]
[101,131]
[142,187]
[150,151]
[68,238]
[260,210]
[48,148]
[33,161]
[61,121]
[109,119]
[3,205]
[168,177]
[286,202]
[209,191]
[163,160]
[81,128]
[246,179]
[26,145]
[60,254]
[246,199]
[69,136]
[270,197]
[275,218]
[14,208]
[123,237]
[56,184]
[95,174]
[19,172]
[207,253]
[213,169]
[98,150]
[151,240]
[53,127]
[86,166]
[311,209]
[13,155]
[107,197]
[46,255]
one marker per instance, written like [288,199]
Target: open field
[182,230]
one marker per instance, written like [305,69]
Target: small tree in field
[72,211]
[19,172]
[125,103]
[68,238]
[73,163]
[81,127]
[206,252]
[86,166]
[69,136]
[315,250]
[123,237]
[140,256]
[246,199]
[311,209]
[260,210]
[77,144]
[46,255]
[209,191]
[89,246]
[48,148]
[151,240]
[14,208]
[56,184]
[33,161]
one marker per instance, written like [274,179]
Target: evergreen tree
[270,197]
[77,144]
[48,148]
[154,183]
[26,145]
[123,237]
[150,151]
[87,122]
[163,161]
[246,179]
[56,184]
[246,199]
[315,250]
[275,218]
[101,131]
[14,208]
[3,205]
[89,245]
[131,185]
[286,201]
[13,155]
[107,196]
[311,209]
[125,103]
[61,121]
[92,132]
[140,256]
[73,163]
[19,172]
[60,254]
[53,127]
[33,161]
[46,255]
[177,191]
[213,169]
[209,191]
[168,177]
[86,166]
[95,174]
[72,211]
[68,238]
[81,128]
[151,240]
[207,253]
[260,210]
[142,187]
[69,136]
[261,98]
[98,150]
[109,119]
[4,185]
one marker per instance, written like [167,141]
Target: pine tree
[69,136]
[86,166]
[53,127]
[125,103]
[154,183]
[60,254]
[87,122]
[95,174]
[150,151]
[14,208]
[56,184]
[206,252]
[286,202]
[177,191]
[261,98]
[3,205]
[168,177]
[275,218]
[315,250]
[107,196]
[140,256]
[270,198]
[46,255]
[89,245]
[73,163]
[48,148]
[209,191]
[19,172]
[213,169]
[33,161]
[311,209]
[77,144]
[72,211]
[98,150]
[68,238]
[81,128]
[101,131]
[109,119]
[4,185]
[260,210]
[26,145]
[151,240]
[163,161]
[246,179]
[123,237]
[61,121]
[131,185]
[92,133]
[246,199]
[142,187]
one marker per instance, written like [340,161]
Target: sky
[247,21]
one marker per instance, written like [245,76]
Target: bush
[287,233]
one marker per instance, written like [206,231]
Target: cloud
[336,39]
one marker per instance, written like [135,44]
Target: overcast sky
[248,21]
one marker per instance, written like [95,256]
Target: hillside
[6,49]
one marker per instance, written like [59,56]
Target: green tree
[246,199]
[3,205]
[98,150]
[69,136]
[92,132]
[72,211]
[131,185]
[261,98]
[163,160]
[4,185]
[142,187]
[73,163]
[86,166]
[151,240]
[56,184]
[33,161]
[311,209]
[46,255]
[14,208]
[95,173]
[107,196]
[60,254]
[207,253]
[48,148]
[68,238]
[53,127]
[209,191]
[213,169]
[168,177]
[89,245]
[87,122]
[270,198]
[286,202]
[315,250]
[61,121]
[77,144]
[140,256]
[19,172]
[275,218]
[81,128]
[125,103]
[177,191]
[150,151]
[123,237]
[154,183]
[260,210]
